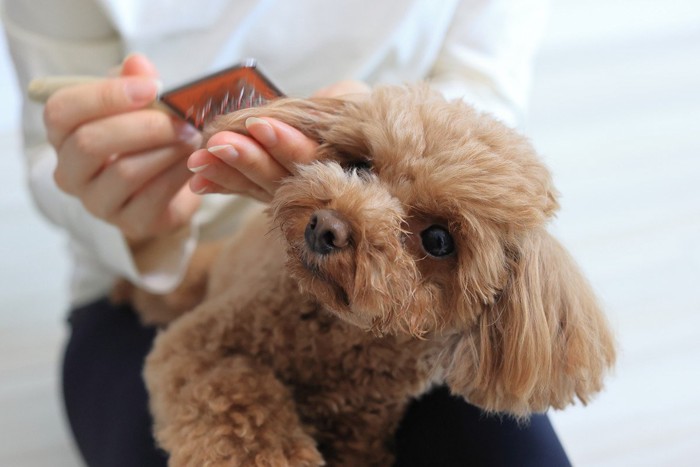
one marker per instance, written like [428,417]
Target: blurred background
[615,112]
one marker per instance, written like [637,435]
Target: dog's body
[272,377]
[414,253]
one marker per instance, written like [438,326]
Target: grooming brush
[198,102]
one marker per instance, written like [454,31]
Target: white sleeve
[487,55]
[36,54]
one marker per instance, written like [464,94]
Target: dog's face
[409,220]
[422,216]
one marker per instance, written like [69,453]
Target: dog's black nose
[326,231]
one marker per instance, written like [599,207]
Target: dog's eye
[357,165]
[437,241]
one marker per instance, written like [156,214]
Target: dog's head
[423,216]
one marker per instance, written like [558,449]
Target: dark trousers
[107,408]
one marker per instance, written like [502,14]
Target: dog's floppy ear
[542,344]
[313,116]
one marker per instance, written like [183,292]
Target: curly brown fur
[315,362]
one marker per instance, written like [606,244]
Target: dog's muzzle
[327,232]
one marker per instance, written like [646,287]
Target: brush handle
[40,89]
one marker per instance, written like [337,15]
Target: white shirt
[477,50]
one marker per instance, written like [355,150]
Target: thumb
[136,64]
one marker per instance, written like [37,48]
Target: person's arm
[487,55]
[159,264]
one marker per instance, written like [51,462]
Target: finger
[109,191]
[244,187]
[211,175]
[123,133]
[250,159]
[136,64]
[285,143]
[87,150]
[161,205]
[70,107]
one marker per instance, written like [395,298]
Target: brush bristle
[236,88]
[225,100]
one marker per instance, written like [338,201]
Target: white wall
[8,89]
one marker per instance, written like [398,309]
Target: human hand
[255,165]
[123,160]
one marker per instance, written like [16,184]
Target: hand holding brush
[127,159]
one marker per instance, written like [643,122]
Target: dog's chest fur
[315,352]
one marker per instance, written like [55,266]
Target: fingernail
[202,190]
[187,132]
[142,90]
[262,131]
[197,169]
[225,152]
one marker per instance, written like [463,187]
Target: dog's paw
[293,455]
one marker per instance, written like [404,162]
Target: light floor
[616,114]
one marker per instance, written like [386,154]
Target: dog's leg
[358,415]
[362,436]
[213,406]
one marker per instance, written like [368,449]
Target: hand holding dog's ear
[263,150]
[250,165]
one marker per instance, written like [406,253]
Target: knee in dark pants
[104,393]
[442,430]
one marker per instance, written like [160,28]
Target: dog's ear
[313,116]
[542,344]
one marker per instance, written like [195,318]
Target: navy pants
[106,404]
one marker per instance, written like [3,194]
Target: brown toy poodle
[412,253]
